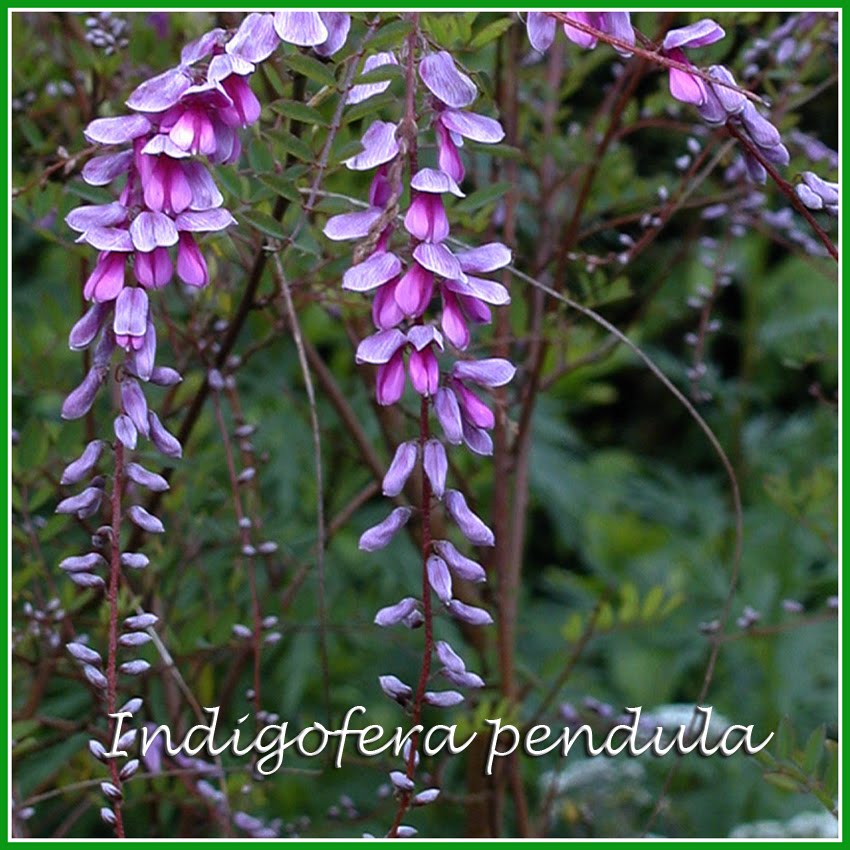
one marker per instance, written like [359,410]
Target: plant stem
[112,600]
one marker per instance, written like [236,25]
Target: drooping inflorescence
[166,198]
[406,282]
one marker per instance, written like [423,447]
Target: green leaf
[572,629]
[390,35]
[311,68]
[369,107]
[629,602]
[606,617]
[813,750]
[482,197]
[783,743]
[652,602]
[293,145]
[299,112]
[264,223]
[382,74]
[781,780]
[491,32]
[280,184]
[830,777]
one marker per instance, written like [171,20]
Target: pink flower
[686,87]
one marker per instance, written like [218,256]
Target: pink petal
[443,79]
[479,128]
[541,30]
[305,29]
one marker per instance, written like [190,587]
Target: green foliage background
[628,506]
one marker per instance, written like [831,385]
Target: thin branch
[321,541]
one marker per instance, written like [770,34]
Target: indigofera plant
[439,154]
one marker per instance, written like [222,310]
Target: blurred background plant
[608,500]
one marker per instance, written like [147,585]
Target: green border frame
[844,360]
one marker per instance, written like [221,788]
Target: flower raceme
[166,198]
[718,100]
[408,342]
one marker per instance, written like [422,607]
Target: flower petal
[160,92]
[732,101]
[104,169]
[436,466]
[432,180]
[471,525]
[402,465]
[108,239]
[381,534]
[541,30]
[698,34]
[363,91]
[439,578]
[204,220]
[117,131]
[305,29]
[462,566]
[490,372]
[421,336]
[438,259]
[443,79]
[448,413]
[380,347]
[151,230]
[202,47]
[372,273]
[470,125]
[355,225]
[686,87]
[256,39]
[485,258]
[99,215]
[483,290]
[337,24]
[379,146]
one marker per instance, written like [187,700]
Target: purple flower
[459,564]
[380,146]
[436,466]
[305,29]
[469,613]
[398,613]
[107,278]
[443,79]
[439,578]
[80,400]
[540,28]
[686,87]
[165,442]
[443,699]
[82,467]
[131,318]
[400,468]
[380,535]
[82,504]
[145,520]
[471,525]
[395,689]
[363,91]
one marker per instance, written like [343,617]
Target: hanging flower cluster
[166,197]
[717,102]
[410,343]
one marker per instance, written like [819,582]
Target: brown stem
[652,55]
[245,540]
[112,601]
[409,136]
[785,187]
